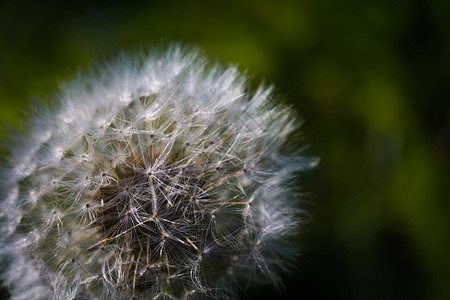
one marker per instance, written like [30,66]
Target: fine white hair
[158,176]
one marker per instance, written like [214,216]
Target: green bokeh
[370,78]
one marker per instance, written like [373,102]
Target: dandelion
[162,178]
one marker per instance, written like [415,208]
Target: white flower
[161,178]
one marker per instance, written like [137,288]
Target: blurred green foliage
[371,79]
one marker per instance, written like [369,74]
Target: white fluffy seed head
[163,177]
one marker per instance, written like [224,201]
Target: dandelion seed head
[159,177]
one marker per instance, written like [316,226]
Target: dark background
[370,78]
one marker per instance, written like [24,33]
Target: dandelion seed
[161,178]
